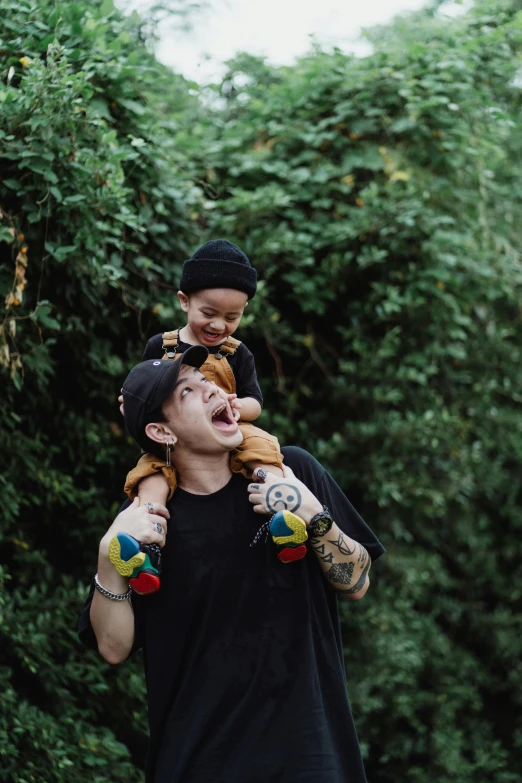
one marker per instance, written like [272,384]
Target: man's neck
[202,474]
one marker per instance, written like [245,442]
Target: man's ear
[184,301]
[160,433]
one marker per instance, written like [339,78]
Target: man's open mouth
[222,421]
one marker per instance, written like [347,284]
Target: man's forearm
[344,562]
[112,621]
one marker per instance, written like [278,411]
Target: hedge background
[380,199]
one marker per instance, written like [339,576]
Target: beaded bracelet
[108,594]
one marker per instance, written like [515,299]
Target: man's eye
[208,315]
[186,389]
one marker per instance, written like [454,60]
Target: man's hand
[139,523]
[280,494]
[120,400]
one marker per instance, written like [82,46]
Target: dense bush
[96,204]
[380,199]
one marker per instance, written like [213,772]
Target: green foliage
[96,201]
[380,200]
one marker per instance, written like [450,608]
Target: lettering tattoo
[254,486]
[283,497]
[362,556]
[341,545]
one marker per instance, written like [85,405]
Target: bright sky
[279,29]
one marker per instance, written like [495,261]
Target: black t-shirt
[243,654]
[241,363]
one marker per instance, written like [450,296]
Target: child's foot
[289,530]
[140,562]
[125,554]
[147,581]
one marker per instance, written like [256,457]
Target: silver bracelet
[111,596]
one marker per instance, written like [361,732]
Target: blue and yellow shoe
[140,562]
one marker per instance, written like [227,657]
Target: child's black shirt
[241,363]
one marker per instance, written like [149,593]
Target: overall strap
[170,343]
[229,347]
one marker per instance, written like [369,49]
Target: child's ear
[184,301]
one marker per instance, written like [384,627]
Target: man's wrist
[321,523]
[103,549]
[310,511]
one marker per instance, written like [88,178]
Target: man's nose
[209,390]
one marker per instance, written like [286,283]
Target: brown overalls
[257,446]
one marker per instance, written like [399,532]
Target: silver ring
[158,527]
[150,507]
[261,475]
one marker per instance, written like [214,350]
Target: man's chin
[231,439]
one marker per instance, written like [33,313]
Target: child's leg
[275,469]
[258,449]
[154,489]
[154,482]
[155,468]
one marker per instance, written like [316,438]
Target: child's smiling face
[213,314]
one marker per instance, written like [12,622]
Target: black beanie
[219,264]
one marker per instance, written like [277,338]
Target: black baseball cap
[148,385]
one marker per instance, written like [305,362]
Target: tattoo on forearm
[316,544]
[340,573]
[360,582]
[362,556]
[283,497]
[341,544]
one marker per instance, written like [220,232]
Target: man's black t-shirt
[243,654]
[241,363]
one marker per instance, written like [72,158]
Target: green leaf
[6,234]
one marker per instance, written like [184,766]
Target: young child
[216,284]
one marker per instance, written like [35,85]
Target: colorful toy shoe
[146,579]
[288,531]
[140,562]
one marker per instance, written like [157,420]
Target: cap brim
[193,357]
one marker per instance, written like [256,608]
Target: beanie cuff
[200,273]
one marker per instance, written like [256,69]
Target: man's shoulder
[303,464]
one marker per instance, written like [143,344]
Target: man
[243,653]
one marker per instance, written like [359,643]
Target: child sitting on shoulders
[216,284]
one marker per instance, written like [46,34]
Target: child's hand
[120,400]
[235,404]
